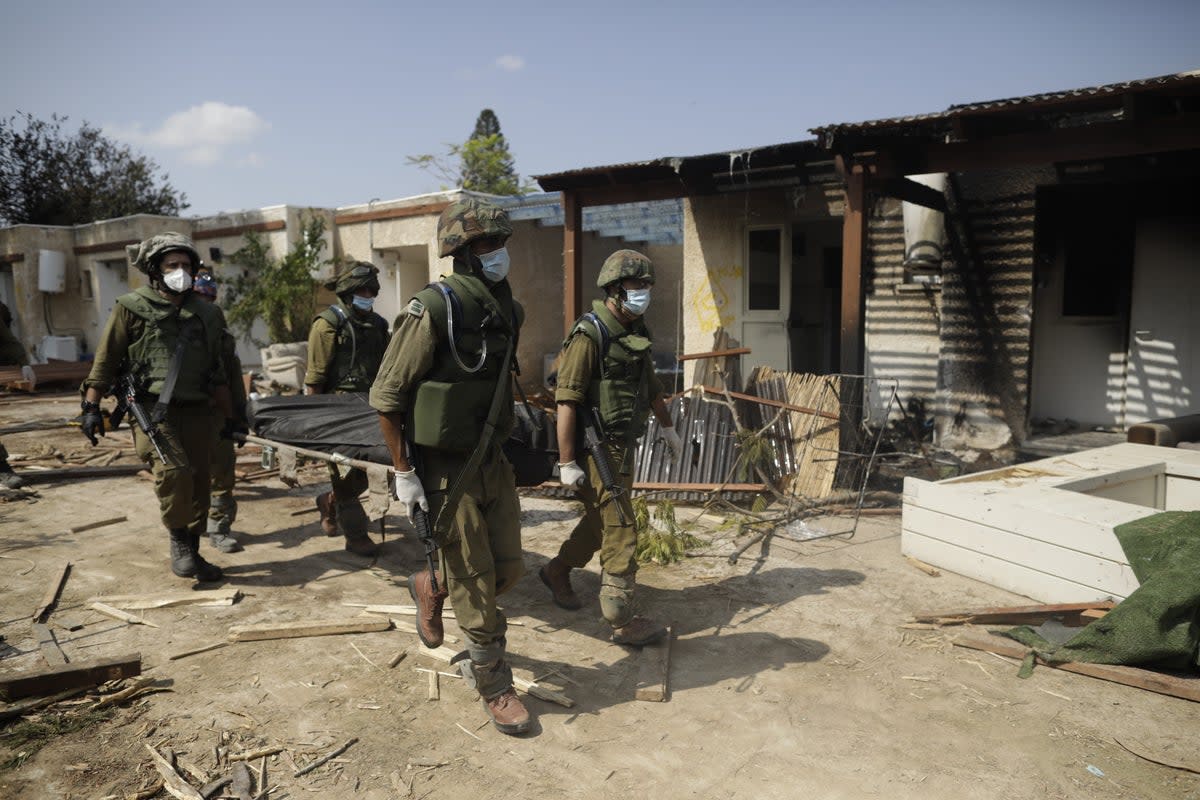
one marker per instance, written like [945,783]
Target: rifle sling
[187,330]
[446,514]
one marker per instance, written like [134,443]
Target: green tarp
[1159,623]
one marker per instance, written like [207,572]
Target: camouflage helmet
[205,284]
[355,275]
[468,219]
[146,255]
[625,264]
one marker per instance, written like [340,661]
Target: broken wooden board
[52,593]
[48,645]
[654,670]
[174,782]
[1186,688]
[117,613]
[296,630]
[1066,613]
[71,676]
[100,523]
[529,687]
[137,602]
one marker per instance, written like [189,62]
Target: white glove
[27,375]
[570,474]
[671,437]
[408,490]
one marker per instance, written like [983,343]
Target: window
[764,254]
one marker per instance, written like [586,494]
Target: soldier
[12,354]
[345,346]
[168,341]
[222,510]
[444,395]
[606,368]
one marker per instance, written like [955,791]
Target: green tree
[281,292]
[52,177]
[481,164]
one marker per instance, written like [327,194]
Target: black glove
[234,425]
[92,421]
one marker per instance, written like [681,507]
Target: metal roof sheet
[1047,99]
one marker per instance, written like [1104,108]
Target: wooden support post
[572,259]
[854,237]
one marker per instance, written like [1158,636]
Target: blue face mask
[495,265]
[362,303]
[636,301]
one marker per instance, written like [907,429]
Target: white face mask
[363,303]
[495,264]
[636,301]
[179,280]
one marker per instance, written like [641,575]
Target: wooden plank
[117,613]
[529,687]
[295,630]
[173,782]
[1110,577]
[218,597]
[854,238]
[1184,687]
[80,473]
[50,599]
[41,682]
[48,645]
[737,351]
[654,670]
[100,523]
[13,710]
[435,688]
[1016,615]
[764,401]
[1020,579]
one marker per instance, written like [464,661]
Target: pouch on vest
[449,416]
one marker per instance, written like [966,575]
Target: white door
[1164,362]
[765,294]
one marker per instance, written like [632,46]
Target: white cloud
[201,132]
[250,160]
[510,63]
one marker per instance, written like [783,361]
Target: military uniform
[345,348]
[619,383]
[449,361]
[12,353]
[142,335]
[222,511]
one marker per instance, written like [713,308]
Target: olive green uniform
[222,511]
[345,348]
[620,385]
[480,544]
[140,336]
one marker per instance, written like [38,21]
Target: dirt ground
[790,674]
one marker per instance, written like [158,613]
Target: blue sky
[259,103]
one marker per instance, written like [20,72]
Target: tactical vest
[358,347]
[150,352]
[621,389]
[450,406]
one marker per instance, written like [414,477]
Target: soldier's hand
[234,425]
[570,474]
[671,437]
[408,490]
[92,421]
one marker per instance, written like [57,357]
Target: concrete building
[61,282]
[1051,277]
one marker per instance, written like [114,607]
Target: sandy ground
[790,673]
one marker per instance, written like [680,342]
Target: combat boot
[8,478]
[638,631]
[361,545]
[183,564]
[557,577]
[508,713]
[221,539]
[429,607]
[328,508]
[202,570]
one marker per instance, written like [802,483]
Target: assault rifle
[420,521]
[125,390]
[593,442]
